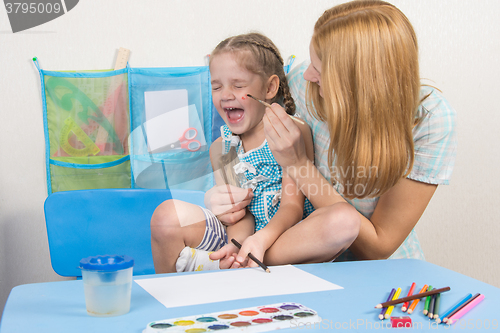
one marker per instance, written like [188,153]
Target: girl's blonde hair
[371,84]
[259,55]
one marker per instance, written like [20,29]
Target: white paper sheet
[160,102]
[166,128]
[210,287]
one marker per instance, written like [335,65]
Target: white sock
[195,260]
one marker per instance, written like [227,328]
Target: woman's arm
[396,214]
[397,211]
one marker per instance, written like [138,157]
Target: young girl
[183,233]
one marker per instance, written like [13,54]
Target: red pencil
[405,304]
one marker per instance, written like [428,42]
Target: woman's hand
[284,137]
[228,202]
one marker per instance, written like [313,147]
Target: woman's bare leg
[174,225]
[321,237]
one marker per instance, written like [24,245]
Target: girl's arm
[289,213]
[245,226]
[397,211]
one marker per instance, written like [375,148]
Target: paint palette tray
[254,319]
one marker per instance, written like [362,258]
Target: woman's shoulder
[434,104]
[434,115]
[435,139]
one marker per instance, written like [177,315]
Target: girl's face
[230,85]
[313,72]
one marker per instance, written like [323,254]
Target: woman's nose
[310,75]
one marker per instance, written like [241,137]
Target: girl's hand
[284,137]
[226,255]
[228,202]
[254,245]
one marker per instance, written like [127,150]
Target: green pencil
[427,302]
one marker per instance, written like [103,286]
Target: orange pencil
[405,304]
[415,302]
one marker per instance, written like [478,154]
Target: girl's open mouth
[234,115]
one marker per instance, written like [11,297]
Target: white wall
[459,43]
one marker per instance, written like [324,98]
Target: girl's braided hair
[263,58]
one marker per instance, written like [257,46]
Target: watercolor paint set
[254,319]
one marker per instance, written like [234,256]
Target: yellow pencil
[390,308]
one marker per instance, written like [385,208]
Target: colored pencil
[382,313]
[419,295]
[436,306]
[431,306]
[415,302]
[454,307]
[465,309]
[427,302]
[390,308]
[258,100]
[446,319]
[251,256]
[407,303]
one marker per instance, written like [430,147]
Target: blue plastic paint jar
[107,282]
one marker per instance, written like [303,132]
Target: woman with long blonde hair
[382,141]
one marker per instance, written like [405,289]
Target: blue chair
[107,221]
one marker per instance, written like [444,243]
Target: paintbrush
[258,100]
[251,256]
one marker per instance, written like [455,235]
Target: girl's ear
[273,85]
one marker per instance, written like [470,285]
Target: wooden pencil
[427,302]
[409,298]
[436,306]
[381,316]
[446,319]
[454,307]
[465,309]
[415,302]
[431,306]
[390,308]
[407,303]
[251,256]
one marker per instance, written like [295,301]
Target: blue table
[60,306]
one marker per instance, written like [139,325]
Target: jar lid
[107,263]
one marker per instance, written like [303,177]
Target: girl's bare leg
[321,237]
[174,225]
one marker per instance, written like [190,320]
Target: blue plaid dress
[263,174]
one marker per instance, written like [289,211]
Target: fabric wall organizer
[121,128]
